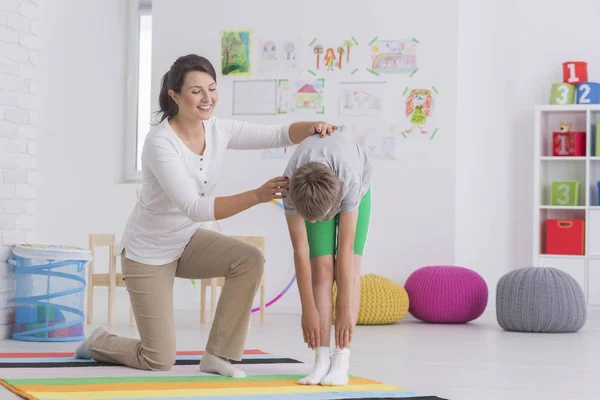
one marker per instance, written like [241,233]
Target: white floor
[477,361]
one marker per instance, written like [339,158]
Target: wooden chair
[112,279]
[258,241]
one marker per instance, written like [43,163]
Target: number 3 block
[575,72]
[562,93]
[588,93]
[564,193]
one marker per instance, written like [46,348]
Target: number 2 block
[562,93]
[588,93]
[575,72]
[564,193]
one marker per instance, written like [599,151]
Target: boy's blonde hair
[314,189]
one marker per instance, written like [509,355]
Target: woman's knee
[255,259]
[161,362]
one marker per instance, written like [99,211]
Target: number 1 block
[588,93]
[575,72]
[562,93]
[564,193]
[568,144]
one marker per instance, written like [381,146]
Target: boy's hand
[311,327]
[343,328]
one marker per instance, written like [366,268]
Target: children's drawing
[255,97]
[236,52]
[280,55]
[333,56]
[301,95]
[393,56]
[278,153]
[361,98]
[419,110]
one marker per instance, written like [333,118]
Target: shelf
[568,107]
[563,207]
[562,256]
[555,158]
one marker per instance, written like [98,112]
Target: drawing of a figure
[329,59]
[419,106]
[269,51]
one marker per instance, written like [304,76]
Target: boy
[328,210]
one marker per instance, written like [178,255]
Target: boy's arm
[299,239]
[311,325]
[344,277]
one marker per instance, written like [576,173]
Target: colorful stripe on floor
[60,376]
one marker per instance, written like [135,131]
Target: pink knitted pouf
[446,294]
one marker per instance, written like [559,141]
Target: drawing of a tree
[318,50]
[289,48]
[348,44]
[232,52]
[341,52]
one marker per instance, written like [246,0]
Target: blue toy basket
[50,282]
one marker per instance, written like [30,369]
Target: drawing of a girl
[419,106]
[329,59]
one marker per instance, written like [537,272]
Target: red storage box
[567,144]
[565,236]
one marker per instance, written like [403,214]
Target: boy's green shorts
[322,235]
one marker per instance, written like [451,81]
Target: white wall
[413,204]
[509,56]
[19,104]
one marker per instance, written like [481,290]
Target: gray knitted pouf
[541,300]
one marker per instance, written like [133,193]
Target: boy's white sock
[217,365]
[338,373]
[322,363]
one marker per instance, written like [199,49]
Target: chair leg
[262,301]
[112,288]
[90,284]
[202,302]
[213,298]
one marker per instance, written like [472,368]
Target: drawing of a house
[360,100]
[269,51]
[307,97]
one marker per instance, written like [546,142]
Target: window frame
[135,9]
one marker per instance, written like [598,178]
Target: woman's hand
[322,129]
[272,189]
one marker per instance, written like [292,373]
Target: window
[144,80]
[139,110]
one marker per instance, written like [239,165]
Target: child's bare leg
[340,362]
[322,284]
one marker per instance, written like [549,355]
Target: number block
[564,193]
[575,72]
[588,93]
[568,144]
[565,236]
[562,93]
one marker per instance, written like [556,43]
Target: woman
[181,162]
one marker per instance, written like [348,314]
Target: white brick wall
[19,113]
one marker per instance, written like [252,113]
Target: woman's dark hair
[174,78]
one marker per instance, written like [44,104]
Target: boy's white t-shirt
[178,185]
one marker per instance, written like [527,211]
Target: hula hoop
[290,283]
[287,287]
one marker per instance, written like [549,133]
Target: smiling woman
[182,159]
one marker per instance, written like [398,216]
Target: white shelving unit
[586,169]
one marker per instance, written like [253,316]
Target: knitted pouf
[382,301]
[446,294]
[541,300]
